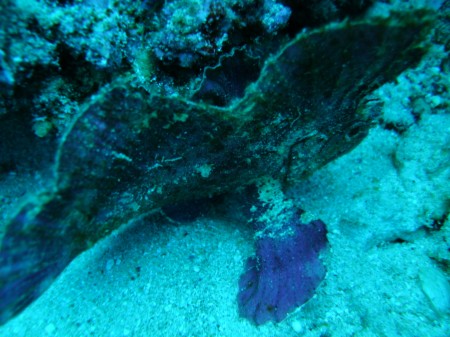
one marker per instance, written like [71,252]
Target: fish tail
[35,248]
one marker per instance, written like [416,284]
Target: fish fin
[35,249]
[284,274]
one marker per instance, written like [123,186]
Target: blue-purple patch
[283,275]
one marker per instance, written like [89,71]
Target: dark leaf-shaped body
[130,152]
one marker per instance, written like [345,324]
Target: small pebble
[297,326]
[50,328]
[109,264]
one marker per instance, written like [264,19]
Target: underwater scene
[226,168]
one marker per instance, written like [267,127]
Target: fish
[131,151]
